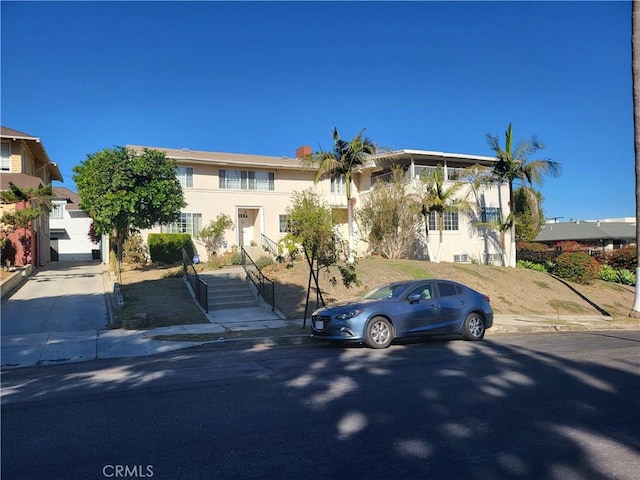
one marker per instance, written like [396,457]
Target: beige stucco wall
[258,212]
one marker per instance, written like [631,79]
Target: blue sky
[267,77]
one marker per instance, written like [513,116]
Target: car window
[447,289]
[386,291]
[425,291]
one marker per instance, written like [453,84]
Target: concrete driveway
[59,297]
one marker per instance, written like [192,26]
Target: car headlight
[348,315]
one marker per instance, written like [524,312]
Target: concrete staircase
[228,289]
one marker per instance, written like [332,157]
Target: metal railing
[199,286]
[266,288]
[270,246]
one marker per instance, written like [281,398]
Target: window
[6,157]
[493,257]
[57,210]
[190,223]
[185,176]
[449,221]
[461,258]
[284,223]
[454,174]
[424,291]
[447,289]
[490,215]
[246,180]
[339,185]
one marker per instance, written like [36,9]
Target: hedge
[166,248]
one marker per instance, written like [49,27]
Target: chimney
[303,151]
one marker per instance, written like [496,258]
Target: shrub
[532,246]
[626,277]
[570,246]
[213,234]
[135,250]
[608,274]
[166,248]
[577,267]
[264,261]
[217,261]
[236,258]
[538,267]
[621,259]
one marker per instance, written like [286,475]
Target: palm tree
[513,165]
[345,158]
[635,68]
[440,199]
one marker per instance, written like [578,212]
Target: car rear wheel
[473,327]
[379,333]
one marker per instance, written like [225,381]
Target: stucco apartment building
[255,191]
[25,163]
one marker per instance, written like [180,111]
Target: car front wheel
[379,333]
[473,327]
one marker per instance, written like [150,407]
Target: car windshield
[386,291]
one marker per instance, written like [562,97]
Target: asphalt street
[545,406]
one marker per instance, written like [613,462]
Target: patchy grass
[470,271]
[162,294]
[566,306]
[156,297]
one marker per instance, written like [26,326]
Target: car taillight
[486,297]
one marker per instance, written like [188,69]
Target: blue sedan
[406,309]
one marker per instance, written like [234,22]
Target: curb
[265,342]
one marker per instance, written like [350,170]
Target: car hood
[338,308]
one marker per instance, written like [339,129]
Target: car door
[420,310]
[452,305]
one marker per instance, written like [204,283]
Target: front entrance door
[245,226]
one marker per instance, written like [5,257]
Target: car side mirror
[414,297]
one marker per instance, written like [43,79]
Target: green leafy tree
[311,228]
[124,192]
[346,157]
[390,214]
[442,197]
[514,167]
[212,235]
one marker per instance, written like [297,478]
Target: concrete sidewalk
[58,299]
[77,346]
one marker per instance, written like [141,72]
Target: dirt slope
[512,290]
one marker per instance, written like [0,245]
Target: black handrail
[270,246]
[199,286]
[266,288]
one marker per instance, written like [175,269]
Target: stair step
[228,304]
[229,289]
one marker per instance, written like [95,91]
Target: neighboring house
[255,191]
[69,227]
[25,163]
[605,234]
